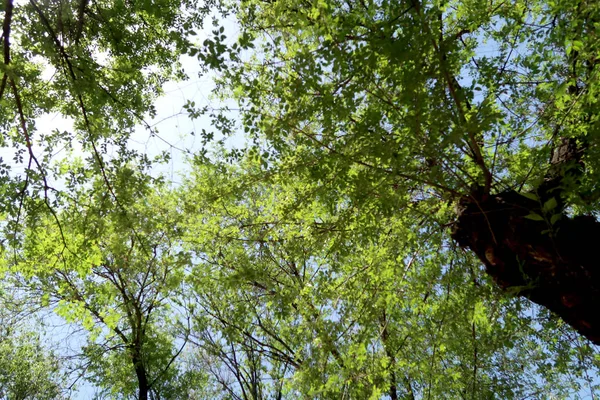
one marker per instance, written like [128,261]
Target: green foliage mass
[328,301]
[317,261]
[28,369]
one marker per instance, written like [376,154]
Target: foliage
[316,262]
[115,272]
[300,298]
[368,120]
[98,66]
[442,96]
[28,370]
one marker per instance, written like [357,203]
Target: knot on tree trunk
[531,249]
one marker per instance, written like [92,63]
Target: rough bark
[554,265]
[551,262]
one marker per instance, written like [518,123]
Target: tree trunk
[552,262]
[393,391]
[142,377]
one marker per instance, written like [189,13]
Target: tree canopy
[413,215]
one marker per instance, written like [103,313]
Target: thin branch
[374,167]
[87,123]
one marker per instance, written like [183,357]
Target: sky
[174,125]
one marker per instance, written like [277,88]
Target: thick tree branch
[454,89]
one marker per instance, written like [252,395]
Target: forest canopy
[413,214]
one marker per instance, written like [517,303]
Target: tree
[325,259]
[298,294]
[28,369]
[117,273]
[490,106]
[99,65]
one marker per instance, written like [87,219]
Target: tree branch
[8,12]
[453,88]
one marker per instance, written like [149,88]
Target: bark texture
[554,265]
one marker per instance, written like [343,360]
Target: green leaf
[549,205]
[534,217]
[530,196]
